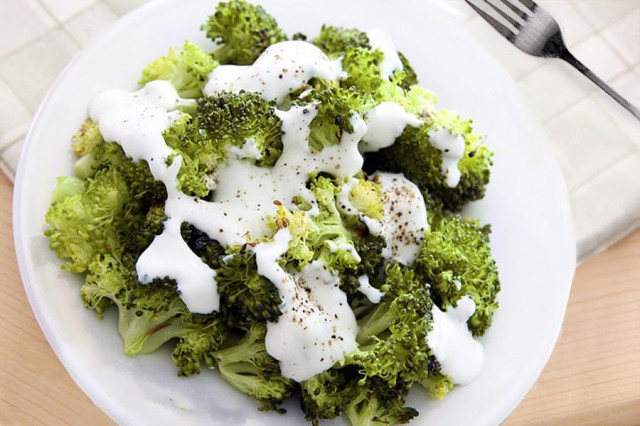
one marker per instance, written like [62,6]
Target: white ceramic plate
[526,203]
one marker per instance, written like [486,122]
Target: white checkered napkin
[596,142]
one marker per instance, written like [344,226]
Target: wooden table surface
[593,376]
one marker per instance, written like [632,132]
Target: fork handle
[568,57]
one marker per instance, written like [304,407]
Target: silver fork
[534,31]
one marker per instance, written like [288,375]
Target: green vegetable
[186,68]
[456,260]
[391,337]
[249,368]
[247,298]
[413,155]
[334,41]
[243,31]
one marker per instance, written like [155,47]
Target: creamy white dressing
[385,122]
[373,294]
[169,256]
[452,148]
[380,39]
[459,354]
[405,217]
[317,327]
[281,69]
[249,149]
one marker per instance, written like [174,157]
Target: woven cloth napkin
[596,142]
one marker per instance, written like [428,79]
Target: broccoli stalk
[249,368]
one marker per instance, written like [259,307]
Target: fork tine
[529,4]
[515,9]
[503,13]
[502,29]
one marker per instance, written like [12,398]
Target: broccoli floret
[363,68]
[150,315]
[142,185]
[104,215]
[415,156]
[209,250]
[151,226]
[392,335]
[87,138]
[243,30]
[246,297]
[456,260]
[249,368]
[236,119]
[299,253]
[186,68]
[364,401]
[377,403]
[326,395]
[334,41]
[206,334]
[93,221]
[201,156]
[354,45]
[335,107]
[437,384]
[332,237]
[221,122]
[367,197]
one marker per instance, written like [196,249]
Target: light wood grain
[593,376]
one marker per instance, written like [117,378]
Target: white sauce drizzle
[405,217]
[385,122]
[452,147]
[373,294]
[281,69]
[317,327]
[459,354]
[249,149]
[380,39]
